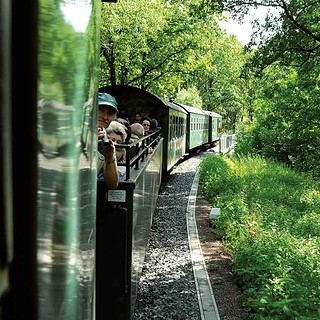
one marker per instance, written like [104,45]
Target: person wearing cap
[107,162]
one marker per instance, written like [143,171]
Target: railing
[137,151]
[227,143]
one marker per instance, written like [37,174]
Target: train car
[124,219]
[124,215]
[197,128]
[215,126]
[49,84]
[172,119]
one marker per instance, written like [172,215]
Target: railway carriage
[172,119]
[201,128]
[124,216]
[215,126]
[198,128]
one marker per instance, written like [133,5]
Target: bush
[270,224]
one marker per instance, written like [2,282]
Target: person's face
[116,138]
[105,115]
[146,125]
[138,117]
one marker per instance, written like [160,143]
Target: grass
[270,223]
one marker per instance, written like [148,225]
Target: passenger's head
[153,125]
[117,133]
[137,129]
[137,117]
[108,108]
[127,126]
[146,122]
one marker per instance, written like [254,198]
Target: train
[124,215]
[185,129]
[69,247]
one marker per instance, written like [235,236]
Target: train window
[173,128]
[177,127]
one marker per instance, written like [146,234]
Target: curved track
[174,282]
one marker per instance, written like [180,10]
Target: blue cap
[107,99]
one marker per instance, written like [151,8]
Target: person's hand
[101,133]
[107,149]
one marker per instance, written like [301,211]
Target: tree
[165,47]
[291,37]
[190,97]
[141,43]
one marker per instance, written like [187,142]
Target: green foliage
[287,125]
[218,175]
[280,274]
[173,47]
[284,100]
[289,32]
[190,97]
[270,224]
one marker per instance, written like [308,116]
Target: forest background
[266,91]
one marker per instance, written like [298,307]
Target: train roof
[173,106]
[130,97]
[190,109]
[199,111]
[212,114]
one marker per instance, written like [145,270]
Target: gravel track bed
[167,288]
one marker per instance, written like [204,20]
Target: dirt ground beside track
[227,294]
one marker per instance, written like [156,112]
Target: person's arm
[110,168]
[111,174]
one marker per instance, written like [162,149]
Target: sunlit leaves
[168,46]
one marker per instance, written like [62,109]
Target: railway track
[174,282]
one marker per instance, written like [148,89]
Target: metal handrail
[137,151]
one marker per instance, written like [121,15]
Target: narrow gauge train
[59,256]
[185,129]
[124,215]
